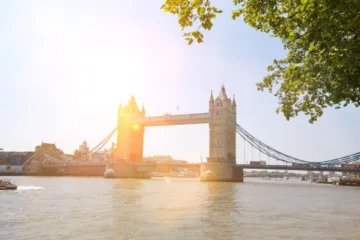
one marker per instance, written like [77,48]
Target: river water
[98,208]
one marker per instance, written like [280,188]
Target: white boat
[7,185]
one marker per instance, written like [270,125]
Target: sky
[66,66]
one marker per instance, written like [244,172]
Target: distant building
[13,161]
[3,160]
[49,148]
[162,159]
[82,153]
[83,148]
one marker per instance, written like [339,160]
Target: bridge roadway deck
[180,119]
[299,168]
[245,166]
[270,167]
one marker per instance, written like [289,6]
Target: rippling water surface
[97,208]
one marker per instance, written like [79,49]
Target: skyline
[67,66]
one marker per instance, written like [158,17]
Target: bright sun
[135,126]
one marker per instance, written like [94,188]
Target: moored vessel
[7,185]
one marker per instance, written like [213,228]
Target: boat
[348,181]
[7,185]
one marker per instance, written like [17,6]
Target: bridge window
[220,152]
[218,113]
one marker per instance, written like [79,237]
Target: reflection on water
[126,198]
[220,209]
[97,208]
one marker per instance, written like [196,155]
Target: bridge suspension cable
[244,151]
[252,152]
[27,161]
[103,142]
[50,160]
[273,153]
[99,146]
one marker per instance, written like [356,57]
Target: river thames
[98,208]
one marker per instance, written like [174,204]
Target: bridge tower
[130,137]
[222,140]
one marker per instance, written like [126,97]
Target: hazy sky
[66,65]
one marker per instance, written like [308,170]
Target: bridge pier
[219,172]
[123,169]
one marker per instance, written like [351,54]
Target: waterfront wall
[12,169]
[14,158]
[72,171]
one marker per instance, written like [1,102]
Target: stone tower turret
[143,112]
[130,136]
[233,103]
[211,101]
[222,135]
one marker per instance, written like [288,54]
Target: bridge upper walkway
[180,119]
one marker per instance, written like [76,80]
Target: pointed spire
[143,109]
[222,94]
[233,101]
[132,99]
[211,97]
[132,105]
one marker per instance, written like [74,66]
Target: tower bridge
[222,137]
[221,163]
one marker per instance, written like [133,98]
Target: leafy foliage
[322,68]
[190,12]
